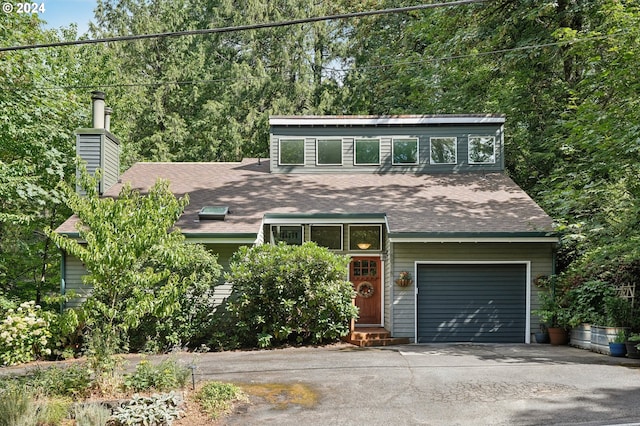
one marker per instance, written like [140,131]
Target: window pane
[292,151]
[288,234]
[367,151]
[364,237]
[405,151]
[329,151]
[327,236]
[482,149]
[443,151]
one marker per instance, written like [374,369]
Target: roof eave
[474,237]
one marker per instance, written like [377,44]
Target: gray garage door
[472,303]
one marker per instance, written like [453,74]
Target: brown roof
[460,203]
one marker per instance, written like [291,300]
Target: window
[329,151]
[405,151]
[291,152]
[365,237]
[290,234]
[482,149]
[329,236]
[367,152]
[444,150]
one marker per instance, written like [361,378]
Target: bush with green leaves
[286,294]
[216,398]
[24,334]
[155,410]
[162,377]
[91,414]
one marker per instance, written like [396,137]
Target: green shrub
[215,398]
[289,294]
[165,376]
[157,410]
[66,333]
[24,334]
[52,411]
[72,381]
[587,302]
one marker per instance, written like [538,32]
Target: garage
[484,303]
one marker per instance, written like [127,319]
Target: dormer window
[367,152]
[404,151]
[329,152]
[291,152]
[482,149]
[443,150]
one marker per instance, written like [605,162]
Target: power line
[243,27]
[388,65]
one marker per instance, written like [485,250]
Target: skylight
[213,212]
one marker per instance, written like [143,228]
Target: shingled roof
[413,204]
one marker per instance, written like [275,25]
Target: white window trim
[363,251]
[355,149]
[278,226]
[341,151]
[326,225]
[455,145]
[469,150]
[304,151]
[417,139]
[527,263]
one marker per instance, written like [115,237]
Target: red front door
[365,274]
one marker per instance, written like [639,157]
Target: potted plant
[633,346]
[617,317]
[543,335]
[555,315]
[617,346]
[404,279]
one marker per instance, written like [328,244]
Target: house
[424,194]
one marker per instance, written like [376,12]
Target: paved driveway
[461,384]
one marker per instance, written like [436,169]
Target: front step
[373,336]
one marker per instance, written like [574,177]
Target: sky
[61,13]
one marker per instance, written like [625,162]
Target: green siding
[404,255]
[386,134]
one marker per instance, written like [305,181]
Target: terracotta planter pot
[558,336]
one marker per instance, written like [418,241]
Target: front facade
[425,195]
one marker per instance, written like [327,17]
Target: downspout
[63,286]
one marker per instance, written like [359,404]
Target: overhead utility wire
[243,27]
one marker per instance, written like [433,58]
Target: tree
[36,143]
[133,258]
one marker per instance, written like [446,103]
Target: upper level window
[290,234]
[405,151]
[329,236]
[444,150]
[482,149]
[329,151]
[367,152]
[291,152]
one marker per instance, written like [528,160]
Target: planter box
[601,336]
[581,336]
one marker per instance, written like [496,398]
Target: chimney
[107,118]
[97,146]
[98,109]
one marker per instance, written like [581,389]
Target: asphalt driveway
[459,384]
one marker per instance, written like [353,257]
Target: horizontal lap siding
[386,135]
[471,303]
[74,270]
[404,255]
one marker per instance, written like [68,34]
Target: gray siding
[404,255]
[99,149]
[73,271]
[224,252]
[386,135]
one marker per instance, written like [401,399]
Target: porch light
[364,246]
